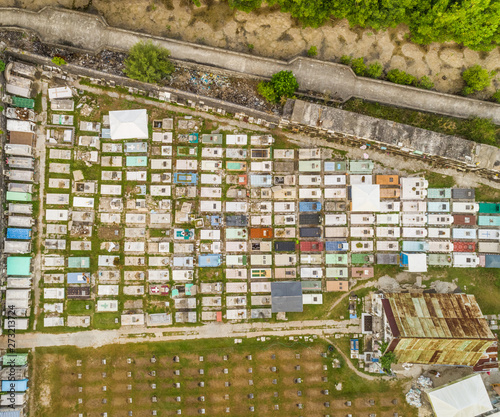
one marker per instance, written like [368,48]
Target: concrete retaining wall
[89,32]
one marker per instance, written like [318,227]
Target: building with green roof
[489,208]
[27,103]
[137,161]
[19,266]
[78,262]
[17,196]
[337,259]
[361,167]
[439,193]
[15,359]
[439,259]
[212,138]
[361,258]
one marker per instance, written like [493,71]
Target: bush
[358,66]
[58,61]
[345,59]
[400,77]
[148,63]
[496,96]
[266,90]
[2,65]
[426,82]
[476,79]
[374,70]
[313,51]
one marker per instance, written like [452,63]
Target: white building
[413,188]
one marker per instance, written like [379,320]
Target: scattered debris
[413,397]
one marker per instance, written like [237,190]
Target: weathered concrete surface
[81,30]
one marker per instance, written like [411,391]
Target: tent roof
[466,397]
[129,124]
[365,197]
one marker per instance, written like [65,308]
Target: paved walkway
[96,338]
[90,32]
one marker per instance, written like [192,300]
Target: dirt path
[355,288]
[41,152]
[96,338]
[353,368]
[271,33]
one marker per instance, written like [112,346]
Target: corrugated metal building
[446,329]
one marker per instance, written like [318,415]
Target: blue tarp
[309,206]
[206,261]
[19,386]
[22,234]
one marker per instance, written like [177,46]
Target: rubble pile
[413,397]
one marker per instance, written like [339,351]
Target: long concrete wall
[89,32]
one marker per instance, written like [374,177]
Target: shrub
[2,65]
[58,61]
[313,51]
[496,96]
[250,47]
[148,62]
[400,77]
[374,70]
[266,90]
[345,59]
[426,82]
[358,66]
[476,79]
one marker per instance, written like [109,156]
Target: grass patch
[483,283]
[106,321]
[487,193]
[79,307]
[477,130]
[437,180]
[316,311]
[56,389]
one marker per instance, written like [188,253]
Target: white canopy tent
[466,397]
[365,197]
[128,124]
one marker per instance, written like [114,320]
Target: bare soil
[268,32]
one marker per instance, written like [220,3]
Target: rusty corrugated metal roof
[443,316]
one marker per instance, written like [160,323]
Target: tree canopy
[148,62]
[283,84]
[474,23]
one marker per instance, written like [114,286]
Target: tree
[374,70]
[58,61]
[2,65]
[387,360]
[148,63]
[283,84]
[476,79]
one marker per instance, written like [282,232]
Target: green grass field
[63,389]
